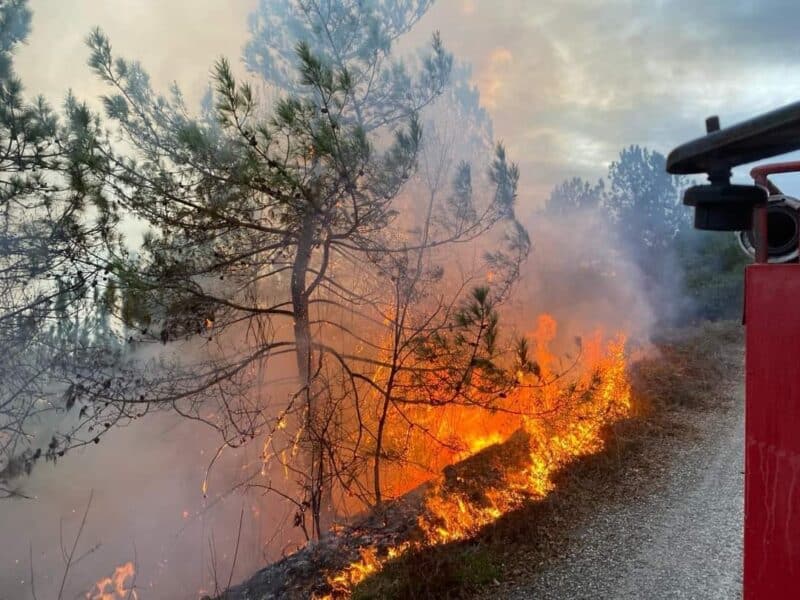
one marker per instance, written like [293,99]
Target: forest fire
[553,417]
[119,586]
[317,306]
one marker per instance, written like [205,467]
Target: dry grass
[689,366]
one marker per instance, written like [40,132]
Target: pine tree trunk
[302,334]
[376,462]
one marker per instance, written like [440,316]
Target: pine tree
[284,231]
[56,229]
[575,195]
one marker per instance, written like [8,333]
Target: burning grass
[578,441]
[687,374]
[546,423]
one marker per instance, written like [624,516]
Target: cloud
[588,78]
[568,82]
[174,41]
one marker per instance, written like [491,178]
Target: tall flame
[560,427]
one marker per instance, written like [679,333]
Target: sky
[568,83]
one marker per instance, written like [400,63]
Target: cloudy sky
[567,82]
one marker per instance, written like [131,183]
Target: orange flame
[120,586]
[369,563]
[561,429]
[560,418]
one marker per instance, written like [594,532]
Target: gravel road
[681,540]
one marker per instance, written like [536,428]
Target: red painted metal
[760,173]
[762,247]
[760,176]
[772,433]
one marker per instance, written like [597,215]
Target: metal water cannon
[722,206]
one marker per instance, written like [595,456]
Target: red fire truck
[768,225]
